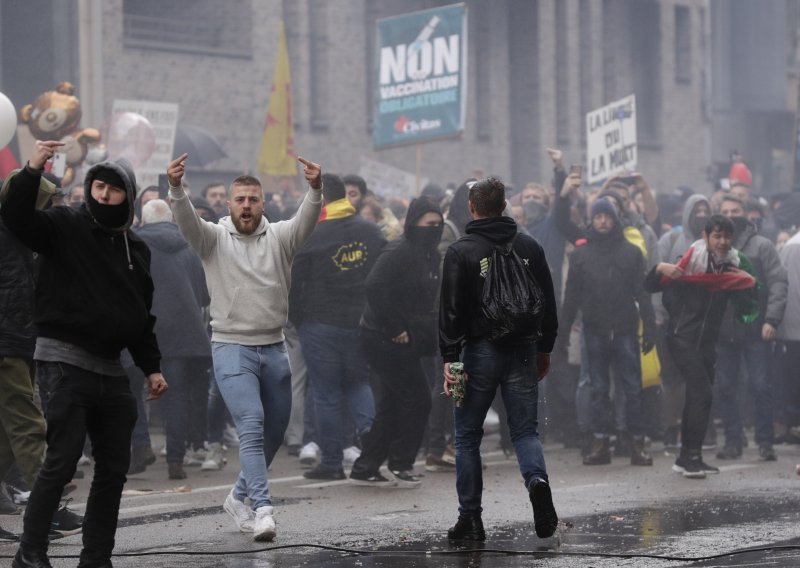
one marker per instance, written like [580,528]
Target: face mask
[425,237]
[534,211]
[697,225]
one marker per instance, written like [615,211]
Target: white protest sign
[164,119]
[387,180]
[611,140]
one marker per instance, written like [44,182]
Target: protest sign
[611,140]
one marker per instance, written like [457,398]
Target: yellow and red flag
[277,156]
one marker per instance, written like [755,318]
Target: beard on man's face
[246,222]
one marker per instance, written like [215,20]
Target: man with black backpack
[505,343]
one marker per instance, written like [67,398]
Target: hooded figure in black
[93,299]
[398,328]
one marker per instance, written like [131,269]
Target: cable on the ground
[459,551]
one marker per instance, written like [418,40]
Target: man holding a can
[515,362]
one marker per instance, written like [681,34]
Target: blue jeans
[338,376]
[622,351]
[182,374]
[513,369]
[756,354]
[255,382]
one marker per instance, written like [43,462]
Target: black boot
[30,559]
[600,454]
[639,455]
[467,529]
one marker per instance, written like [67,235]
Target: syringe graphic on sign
[417,44]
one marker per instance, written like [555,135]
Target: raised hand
[43,150]
[312,172]
[176,169]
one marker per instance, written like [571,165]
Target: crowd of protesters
[312,320]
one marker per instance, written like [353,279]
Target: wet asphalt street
[607,512]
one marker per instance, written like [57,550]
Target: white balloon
[8,121]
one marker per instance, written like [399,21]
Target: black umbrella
[202,146]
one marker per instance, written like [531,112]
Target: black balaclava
[424,237]
[109,216]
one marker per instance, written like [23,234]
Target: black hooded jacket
[605,282]
[460,317]
[403,286]
[94,288]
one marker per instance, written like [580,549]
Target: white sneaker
[350,454]
[215,459]
[264,529]
[242,515]
[309,455]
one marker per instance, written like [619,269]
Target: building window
[683,44]
[562,76]
[193,26]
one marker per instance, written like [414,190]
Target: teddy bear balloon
[55,115]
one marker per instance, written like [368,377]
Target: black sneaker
[767,453]
[406,478]
[467,529]
[65,522]
[366,479]
[324,473]
[545,519]
[8,536]
[690,468]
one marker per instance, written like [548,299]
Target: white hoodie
[248,276]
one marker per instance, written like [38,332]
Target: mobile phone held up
[576,169]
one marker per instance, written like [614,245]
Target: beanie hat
[110,177]
[603,205]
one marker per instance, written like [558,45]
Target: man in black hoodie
[398,329]
[516,363]
[605,283]
[93,299]
[326,299]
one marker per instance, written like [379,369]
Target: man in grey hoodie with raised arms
[247,261]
